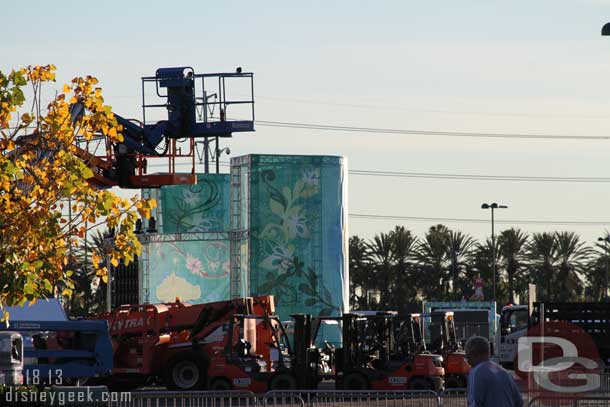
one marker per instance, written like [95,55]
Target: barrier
[282,399]
[597,400]
[343,398]
[362,398]
[162,398]
[454,398]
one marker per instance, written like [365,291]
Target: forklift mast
[409,340]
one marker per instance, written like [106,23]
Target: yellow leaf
[66,88]
[114,262]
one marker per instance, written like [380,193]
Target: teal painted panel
[196,271]
[296,208]
[203,207]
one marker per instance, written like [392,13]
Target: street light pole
[493,207]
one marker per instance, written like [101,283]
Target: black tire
[419,383]
[220,384]
[283,381]
[186,371]
[453,382]
[355,381]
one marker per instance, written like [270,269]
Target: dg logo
[559,357]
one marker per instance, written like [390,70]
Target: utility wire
[475,177]
[353,129]
[471,220]
[450,176]
[429,110]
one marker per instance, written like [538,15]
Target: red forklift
[443,341]
[383,352]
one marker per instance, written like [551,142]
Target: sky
[525,67]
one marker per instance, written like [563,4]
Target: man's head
[477,350]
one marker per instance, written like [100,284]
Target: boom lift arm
[189,100]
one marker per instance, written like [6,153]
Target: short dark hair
[477,345]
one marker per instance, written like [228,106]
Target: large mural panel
[295,208]
[196,271]
[203,207]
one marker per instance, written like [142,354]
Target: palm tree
[89,293]
[572,255]
[459,248]
[432,259]
[381,253]
[359,272]
[511,251]
[595,274]
[404,246]
[596,270]
[541,253]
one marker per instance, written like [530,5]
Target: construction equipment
[196,106]
[176,343]
[291,366]
[64,351]
[371,359]
[443,341]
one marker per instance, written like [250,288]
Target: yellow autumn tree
[41,171]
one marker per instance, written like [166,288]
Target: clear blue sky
[475,66]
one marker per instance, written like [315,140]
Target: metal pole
[109,285]
[606,282]
[206,155]
[217,155]
[493,253]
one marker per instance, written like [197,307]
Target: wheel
[355,381]
[454,382]
[186,371]
[419,383]
[283,381]
[220,384]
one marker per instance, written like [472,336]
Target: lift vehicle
[196,107]
[292,366]
[443,341]
[63,351]
[370,357]
[176,343]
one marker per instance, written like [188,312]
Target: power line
[475,177]
[453,176]
[352,129]
[472,220]
[442,111]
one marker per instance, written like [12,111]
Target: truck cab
[513,325]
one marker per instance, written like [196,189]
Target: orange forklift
[384,352]
[443,341]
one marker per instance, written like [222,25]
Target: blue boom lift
[197,107]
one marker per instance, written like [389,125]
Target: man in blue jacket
[488,383]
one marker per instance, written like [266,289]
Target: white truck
[513,325]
